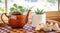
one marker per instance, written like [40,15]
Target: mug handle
[2,18]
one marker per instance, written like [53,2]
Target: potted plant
[17,9]
[38,18]
[16,17]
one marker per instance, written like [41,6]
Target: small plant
[39,11]
[17,9]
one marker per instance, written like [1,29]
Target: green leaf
[20,7]
[15,5]
[12,9]
[22,10]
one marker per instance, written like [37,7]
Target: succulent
[39,11]
[17,9]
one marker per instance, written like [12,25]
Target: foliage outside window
[2,6]
[0,1]
[53,1]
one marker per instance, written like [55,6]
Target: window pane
[18,2]
[47,5]
[2,6]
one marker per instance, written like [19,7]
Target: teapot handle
[2,18]
[27,16]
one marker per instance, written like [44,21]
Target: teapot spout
[27,16]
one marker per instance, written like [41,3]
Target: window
[47,5]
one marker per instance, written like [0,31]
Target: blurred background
[51,7]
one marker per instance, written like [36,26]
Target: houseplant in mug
[38,18]
[16,17]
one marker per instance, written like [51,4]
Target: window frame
[6,6]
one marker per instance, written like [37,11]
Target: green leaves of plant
[12,9]
[15,5]
[20,7]
[39,11]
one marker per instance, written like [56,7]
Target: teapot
[16,20]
